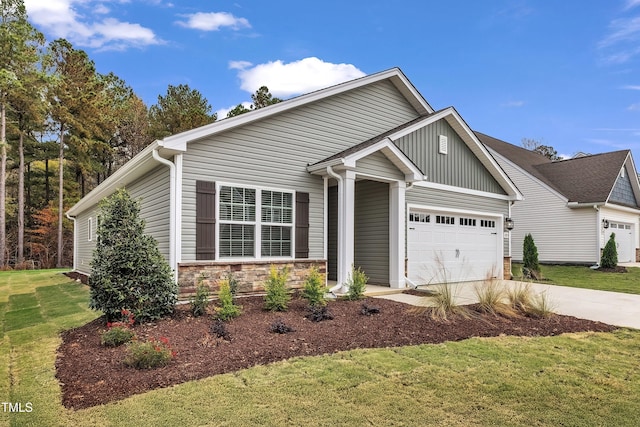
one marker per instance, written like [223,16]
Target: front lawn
[584,277]
[579,379]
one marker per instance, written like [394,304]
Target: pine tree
[610,253]
[128,270]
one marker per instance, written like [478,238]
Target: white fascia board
[621,208]
[320,168]
[394,75]
[395,156]
[130,171]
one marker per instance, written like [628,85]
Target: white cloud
[631,87]
[83,23]
[213,21]
[293,78]
[634,107]
[631,4]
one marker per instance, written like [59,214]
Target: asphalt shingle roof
[586,179]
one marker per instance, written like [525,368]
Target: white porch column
[396,234]
[346,207]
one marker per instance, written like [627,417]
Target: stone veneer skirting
[507,275]
[250,275]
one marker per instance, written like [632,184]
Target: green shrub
[128,270]
[150,354]
[610,253]
[357,284]
[227,309]
[116,336]
[314,288]
[278,296]
[200,300]
[233,283]
[530,254]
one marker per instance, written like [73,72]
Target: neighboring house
[572,206]
[363,174]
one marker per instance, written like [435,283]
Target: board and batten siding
[275,152]
[153,190]
[444,200]
[459,167]
[371,230]
[561,234]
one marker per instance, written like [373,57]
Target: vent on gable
[442,144]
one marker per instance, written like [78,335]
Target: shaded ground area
[91,374]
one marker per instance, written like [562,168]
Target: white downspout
[332,174]
[598,225]
[75,241]
[172,211]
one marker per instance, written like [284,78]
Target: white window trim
[257,250]
[90,229]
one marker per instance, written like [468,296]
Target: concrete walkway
[608,307]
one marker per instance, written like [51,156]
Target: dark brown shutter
[205,220]
[302,225]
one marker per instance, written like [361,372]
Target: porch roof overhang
[346,160]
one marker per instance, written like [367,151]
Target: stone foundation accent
[637,255]
[507,275]
[250,275]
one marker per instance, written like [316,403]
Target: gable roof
[394,75]
[582,179]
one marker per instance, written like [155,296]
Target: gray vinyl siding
[371,230]
[378,165]
[84,248]
[453,200]
[153,190]
[561,234]
[275,152]
[459,168]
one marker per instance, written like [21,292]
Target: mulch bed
[91,374]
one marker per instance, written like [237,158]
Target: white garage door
[447,247]
[624,240]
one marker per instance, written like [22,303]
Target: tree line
[65,128]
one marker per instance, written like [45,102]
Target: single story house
[572,206]
[363,174]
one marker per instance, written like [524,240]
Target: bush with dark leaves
[369,310]
[279,327]
[319,313]
[219,329]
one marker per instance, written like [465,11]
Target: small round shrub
[279,327]
[116,336]
[149,354]
[200,301]
[219,329]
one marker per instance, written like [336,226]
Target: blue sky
[566,73]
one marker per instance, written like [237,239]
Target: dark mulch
[91,374]
[616,269]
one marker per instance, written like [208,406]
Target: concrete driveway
[608,307]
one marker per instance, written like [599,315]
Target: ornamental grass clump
[226,309]
[491,299]
[314,288]
[149,354]
[278,296]
[444,304]
[357,284]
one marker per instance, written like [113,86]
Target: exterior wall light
[605,223]
[508,224]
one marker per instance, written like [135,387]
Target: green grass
[584,277]
[584,379]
